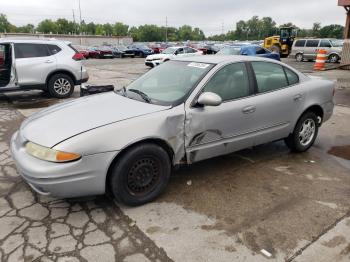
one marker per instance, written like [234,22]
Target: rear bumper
[84,177]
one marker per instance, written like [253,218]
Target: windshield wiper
[142,94]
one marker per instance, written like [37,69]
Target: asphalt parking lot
[232,208]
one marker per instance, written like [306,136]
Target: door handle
[249,109]
[48,61]
[297,97]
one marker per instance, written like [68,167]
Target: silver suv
[308,49]
[49,65]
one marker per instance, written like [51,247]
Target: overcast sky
[209,15]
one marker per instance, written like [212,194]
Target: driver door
[216,130]
[8,77]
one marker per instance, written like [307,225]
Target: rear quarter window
[292,77]
[54,49]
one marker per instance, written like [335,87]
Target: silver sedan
[184,111]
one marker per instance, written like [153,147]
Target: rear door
[279,100]
[34,62]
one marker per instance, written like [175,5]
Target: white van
[307,49]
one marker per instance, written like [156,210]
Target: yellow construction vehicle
[283,42]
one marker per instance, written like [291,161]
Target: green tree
[47,26]
[120,29]
[5,25]
[185,33]
[332,31]
[316,29]
[29,28]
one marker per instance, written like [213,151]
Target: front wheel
[140,175]
[60,86]
[299,57]
[304,134]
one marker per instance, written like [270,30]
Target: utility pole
[80,16]
[166,29]
[222,28]
[75,25]
[345,60]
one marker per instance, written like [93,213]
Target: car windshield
[169,83]
[169,51]
[337,43]
[230,51]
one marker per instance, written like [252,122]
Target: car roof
[35,41]
[218,59]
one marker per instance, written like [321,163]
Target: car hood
[60,122]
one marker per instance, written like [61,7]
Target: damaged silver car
[184,111]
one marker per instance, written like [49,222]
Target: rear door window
[312,43]
[269,76]
[300,43]
[25,50]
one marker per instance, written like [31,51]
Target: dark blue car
[249,50]
[141,50]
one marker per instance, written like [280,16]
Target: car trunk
[5,64]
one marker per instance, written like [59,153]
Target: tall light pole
[166,29]
[80,16]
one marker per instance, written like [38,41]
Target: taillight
[78,57]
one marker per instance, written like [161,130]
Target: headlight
[48,154]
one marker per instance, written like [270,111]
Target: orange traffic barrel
[321,60]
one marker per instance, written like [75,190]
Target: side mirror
[209,99]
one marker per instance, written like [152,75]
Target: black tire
[133,56]
[333,58]
[60,86]
[299,57]
[140,175]
[293,141]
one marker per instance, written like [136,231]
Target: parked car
[307,49]
[141,50]
[49,65]
[184,111]
[101,52]
[82,50]
[126,51]
[171,53]
[249,50]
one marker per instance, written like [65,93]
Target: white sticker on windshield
[198,65]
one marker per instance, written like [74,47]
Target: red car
[100,52]
[83,50]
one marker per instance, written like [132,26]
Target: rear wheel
[333,58]
[304,134]
[140,175]
[60,86]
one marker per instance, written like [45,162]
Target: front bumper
[153,63]
[84,177]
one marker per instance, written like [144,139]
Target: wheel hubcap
[307,132]
[62,86]
[333,59]
[143,176]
